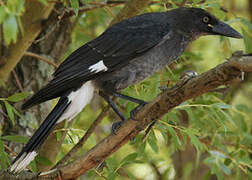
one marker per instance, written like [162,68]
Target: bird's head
[196,21]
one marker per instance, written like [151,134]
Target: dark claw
[116,126]
[135,110]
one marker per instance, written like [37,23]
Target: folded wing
[113,49]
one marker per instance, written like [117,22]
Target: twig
[10,150]
[148,130]
[17,81]
[84,138]
[90,7]
[64,133]
[155,168]
[41,58]
[3,113]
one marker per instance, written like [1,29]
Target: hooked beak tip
[226,30]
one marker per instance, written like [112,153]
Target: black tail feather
[46,127]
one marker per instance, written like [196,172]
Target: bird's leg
[140,103]
[115,125]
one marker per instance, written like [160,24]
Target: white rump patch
[100,66]
[23,161]
[79,99]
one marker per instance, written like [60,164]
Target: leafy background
[204,138]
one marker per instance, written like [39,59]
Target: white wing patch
[100,66]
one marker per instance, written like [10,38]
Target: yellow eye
[205,19]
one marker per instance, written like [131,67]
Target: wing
[117,46]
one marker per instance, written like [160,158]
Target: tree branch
[226,73]
[37,56]
[31,21]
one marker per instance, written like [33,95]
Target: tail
[30,150]
[67,108]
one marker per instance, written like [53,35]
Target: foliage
[216,125]
[10,17]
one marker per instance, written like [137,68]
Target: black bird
[125,54]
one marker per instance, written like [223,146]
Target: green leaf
[222,105]
[16,112]
[9,110]
[10,29]
[195,141]
[15,138]
[131,176]
[246,23]
[129,158]
[20,7]
[18,97]
[33,166]
[215,170]
[2,14]
[43,2]
[175,138]
[43,160]
[141,148]
[4,160]
[111,176]
[247,41]
[153,145]
[20,25]
[1,146]
[112,164]
[152,140]
[242,107]
[75,6]
[228,117]
[224,168]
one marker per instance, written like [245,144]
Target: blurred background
[204,138]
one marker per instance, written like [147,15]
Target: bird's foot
[135,110]
[116,126]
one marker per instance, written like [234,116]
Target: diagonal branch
[226,73]
[31,21]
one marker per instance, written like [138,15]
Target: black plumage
[124,54]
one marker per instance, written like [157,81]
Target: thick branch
[31,21]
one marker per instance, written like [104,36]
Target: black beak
[225,30]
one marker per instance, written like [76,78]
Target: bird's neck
[191,36]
